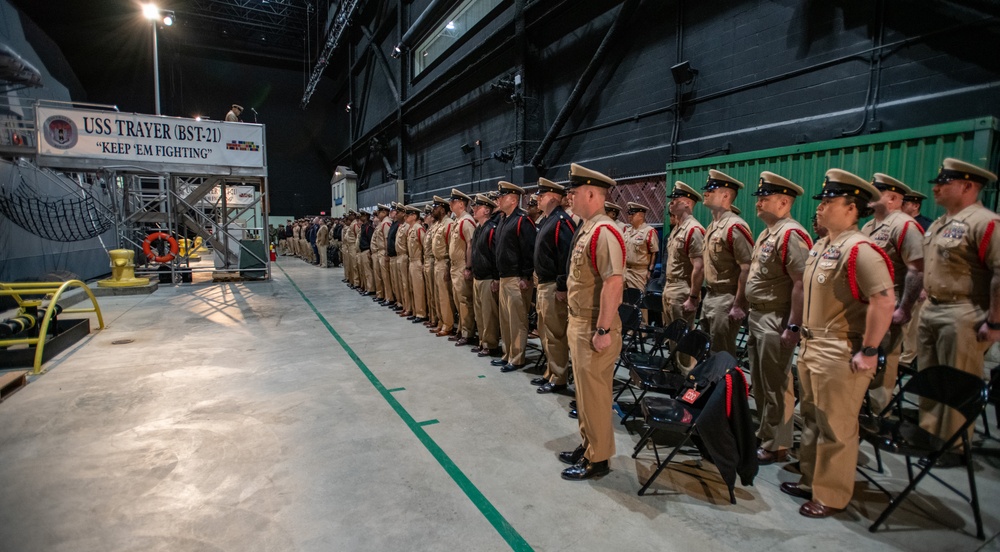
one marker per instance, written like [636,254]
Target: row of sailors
[840,300]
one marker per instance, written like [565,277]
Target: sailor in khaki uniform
[684,265]
[901,238]
[774,293]
[911,206]
[378,250]
[595,282]
[357,270]
[728,245]
[349,240]
[459,246]
[383,228]
[442,267]
[962,280]
[430,291]
[641,245]
[402,263]
[415,253]
[840,337]
[614,211]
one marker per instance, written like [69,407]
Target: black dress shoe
[585,469]
[491,352]
[550,387]
[573,414]
[462,342]
[498,362]
[571,457]
[796,491]
[476,349]
[510,367]
[455,337]
[542,381]
[572,404]
[419,319]
[411,317]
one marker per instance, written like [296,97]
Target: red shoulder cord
[687,241]
[852,268]
[902,235]
[744,230]
[984,245]
[593,244]
[784,245]
[491,237]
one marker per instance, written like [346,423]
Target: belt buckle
[807,333]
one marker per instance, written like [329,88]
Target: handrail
[36,288]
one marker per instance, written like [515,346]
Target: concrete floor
[238,420]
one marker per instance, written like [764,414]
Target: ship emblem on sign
[60,132]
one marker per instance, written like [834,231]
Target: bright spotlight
[150,11]
[450,26]
[168,20]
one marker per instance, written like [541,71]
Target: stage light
[150,11]
[683,73]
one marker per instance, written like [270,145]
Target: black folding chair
[632,296]
[899,432]
[662,374]
[631,335]
[680,414]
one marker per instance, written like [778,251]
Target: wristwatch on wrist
[602,331]
[992,325]
[869,351]
[794,328]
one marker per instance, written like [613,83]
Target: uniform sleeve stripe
[984,246]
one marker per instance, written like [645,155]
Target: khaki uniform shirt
[297,232]
[383,228]
[401,233]
[378,239]
[415,242]
[350,234]
[641,245]
[728,244]
[461,233]
[440,240]
[901,238]
[961,255]
[587,272]
[779,250]
[428,243]
[837,288]
[356,232]
[686,240]
[323,236]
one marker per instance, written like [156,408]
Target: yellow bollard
[123,270]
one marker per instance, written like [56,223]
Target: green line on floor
[394,389]
[496,519]
[480,377]
[427,423]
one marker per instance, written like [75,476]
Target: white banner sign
[131,137]
[236,196]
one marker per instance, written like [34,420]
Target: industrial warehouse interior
[225,232]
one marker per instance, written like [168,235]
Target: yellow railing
[54,290]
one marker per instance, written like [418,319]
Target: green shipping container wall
[911,155]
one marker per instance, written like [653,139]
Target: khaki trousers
[322,255]
[430,291]
[307,250]
[831,399]
[487,309]
[593,373]
[636,277]
[387,281]
[442,286]
[910,331]
[377,272]
[947,336]
[514,320]
[357,271]
[553,318]
[403,278]
[462,294]
[289,246]
[772,380]
[417,289]
[883,385]
[345,254]
[366,267]
[715,317]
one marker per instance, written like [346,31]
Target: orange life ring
[160,236]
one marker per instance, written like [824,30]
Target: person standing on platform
[484,270]
[901,238]
[848,307]
[962,280]
[515,249]
[459,247]
[685,266]
[728,246]
[552,246]
[774,293]
[641,245]
[595,282]
[415,255]
[233,116]
[440,242]
[430,226]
